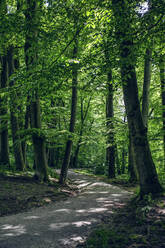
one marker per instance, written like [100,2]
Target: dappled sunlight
[81,211]
[63,210]
[81,223]
[77,238]
[97,210]
[11,230]
[82,183]
[71,240]
[98,184]
[31,217]
[55,226]
[117,195]
[161,211]
[103,199]
[66,223]
[99,192]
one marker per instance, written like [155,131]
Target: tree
[32,14]
[110,150]
[162,80]
[18,154]
[84,113]
[4,144]
[148,178]
[69,143]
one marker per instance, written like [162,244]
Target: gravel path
[66,223]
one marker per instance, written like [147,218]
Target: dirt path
[65,223]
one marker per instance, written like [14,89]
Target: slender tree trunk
[26,126]
[4,153]
[31,16]
[123,160]
[117,161]
[162,80]
[110,150]
[131,162]
[111,146]
[51,156]
[14,115]
[146,86]
[68,149]
[148,178]
[84,113]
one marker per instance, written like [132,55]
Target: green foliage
[105,237]
[51,75]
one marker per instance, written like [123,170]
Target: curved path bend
[66,223]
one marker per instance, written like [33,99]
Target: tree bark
[68,149]
[146,86]
[162,80]
[4,153]
[110,150]
[26,126]
[31,16]
[84,113]
[131,162]
[117,161]
[123,162]
[14,115]
[148,178]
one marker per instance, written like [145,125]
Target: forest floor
[19,193]
[66,216]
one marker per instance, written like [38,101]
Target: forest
[82,87]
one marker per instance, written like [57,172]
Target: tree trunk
[110,150]
[162,80]
[148,178]
[131,162]
[68,149]
[117,161]
[51,156]
[111,147]
[146,86]
[14,115]
[84,113]
[26,126]
[123,162]
[4,153]
[31,16]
